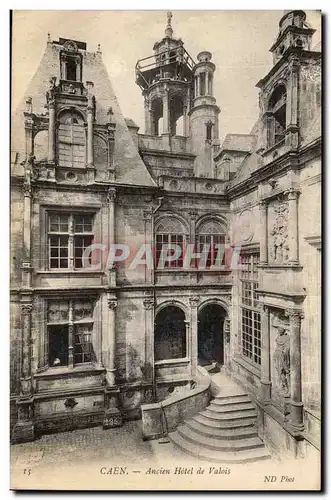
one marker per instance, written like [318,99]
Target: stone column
[89,137]
[265,355]
[226,341]
[198,85]
[296,415]
[166,113]
[293,244]
[71,336]
[111,197]
[264,232]
[148,303]
[292,90]
[109,338]
[51,131]
[194,301]
[206,83]
[23,431]
[185,122]
[26,386]
[90,123]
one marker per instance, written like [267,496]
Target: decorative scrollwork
[112,303]
[26,309]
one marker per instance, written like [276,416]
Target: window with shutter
[71,140]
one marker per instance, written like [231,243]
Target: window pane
[58,345]
[83,349]
[58,223]
[83,223]
[80,244]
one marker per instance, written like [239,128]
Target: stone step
[231,407]
[217,443]
[231,433]
[223,424]
[226,395]
[218,456]
[231,415]
[231,400]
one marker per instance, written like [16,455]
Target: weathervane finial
[169,30]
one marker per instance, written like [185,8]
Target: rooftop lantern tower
[166,80]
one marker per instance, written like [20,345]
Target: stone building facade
[91,344]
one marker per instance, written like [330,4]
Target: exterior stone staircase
[225,431]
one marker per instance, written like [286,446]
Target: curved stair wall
[160,418]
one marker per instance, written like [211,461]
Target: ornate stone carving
[292,194]
[281,359]
[111,194]
[70,46]
[279,233]
[194,301]
[112,303]
[294,316]
[147,215]
[148,303]
[227,329]
[193,215]
[26,309]
[311,72]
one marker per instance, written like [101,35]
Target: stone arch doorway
[170,334]
[211,342]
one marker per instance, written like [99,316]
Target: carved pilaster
[109,338]
[194,301]
[293,236]
[296,415]
[112,303]
[264,231]
[148,303]
[265,355]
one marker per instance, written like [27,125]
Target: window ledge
[58,371]
[177,361]
[247,365]
[71,271]
[193,270]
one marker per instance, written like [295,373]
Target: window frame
[71,323]
[72,236]
[250,315]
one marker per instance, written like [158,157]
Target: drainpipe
[154,210]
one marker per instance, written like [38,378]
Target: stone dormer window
[277,116]
[71,63]
[71,143]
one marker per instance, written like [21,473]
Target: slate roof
[129,167]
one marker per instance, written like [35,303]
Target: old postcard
[166,250]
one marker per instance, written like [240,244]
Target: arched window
[71,140]
[211,243]
[277,116]
[170,235]
[170,334]
[157,117]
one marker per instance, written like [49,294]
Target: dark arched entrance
[170,334]
[210,334]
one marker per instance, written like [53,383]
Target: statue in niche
[279,250]
[281,360]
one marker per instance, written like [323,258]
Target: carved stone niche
[278,246]
[280,359]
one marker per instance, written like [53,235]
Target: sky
[238,40]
